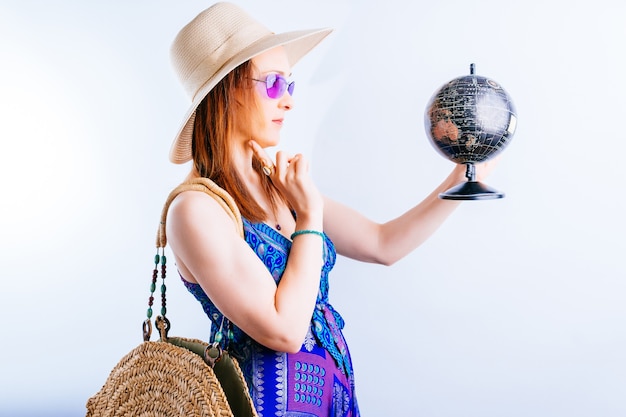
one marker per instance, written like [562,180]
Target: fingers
[290,174]
[282,162]
[266,161]
[290,167]
[484,169]
[286,166]
[299,165]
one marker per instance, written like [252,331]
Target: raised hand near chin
[290,174]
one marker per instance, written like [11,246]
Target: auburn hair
[230,102]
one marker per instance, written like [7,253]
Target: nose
[286,101]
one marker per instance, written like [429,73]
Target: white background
[515,307]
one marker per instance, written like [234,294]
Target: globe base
[471,190]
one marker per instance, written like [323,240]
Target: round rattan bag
[143,384]
[175,376]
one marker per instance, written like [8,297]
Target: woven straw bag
[175,376]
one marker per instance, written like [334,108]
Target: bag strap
[208,186]
[226,368]
[228,204]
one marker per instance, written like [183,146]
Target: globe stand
[471,189]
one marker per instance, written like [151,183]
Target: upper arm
[209,251]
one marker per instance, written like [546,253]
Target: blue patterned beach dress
[318,381]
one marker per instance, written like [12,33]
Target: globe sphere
[470,119]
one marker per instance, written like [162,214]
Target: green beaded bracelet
[307,232]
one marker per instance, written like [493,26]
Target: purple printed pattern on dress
[318,381]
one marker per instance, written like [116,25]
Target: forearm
[297,292]
[404,234]
[360,238]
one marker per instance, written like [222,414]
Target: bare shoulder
[201,234]
[193,208]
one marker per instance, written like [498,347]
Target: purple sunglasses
[276,84]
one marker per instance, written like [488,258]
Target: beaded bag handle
[226,369]
[228,204]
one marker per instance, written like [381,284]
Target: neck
[242,157]
[242,160]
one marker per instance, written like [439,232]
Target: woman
[267,294]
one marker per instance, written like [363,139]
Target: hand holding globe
[470,120]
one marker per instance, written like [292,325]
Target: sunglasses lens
[290,87]
[275,86]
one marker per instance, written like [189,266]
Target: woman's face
[267,123]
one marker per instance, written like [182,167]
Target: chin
[268,142]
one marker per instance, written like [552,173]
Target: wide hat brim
[296,43]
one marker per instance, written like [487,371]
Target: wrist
[302,232]
[309,222]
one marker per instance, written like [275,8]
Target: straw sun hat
[214,43]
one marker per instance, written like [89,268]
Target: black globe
[470,120]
